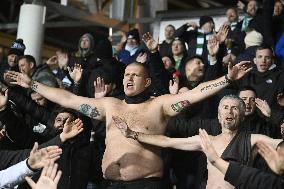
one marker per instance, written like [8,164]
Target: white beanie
[253,38]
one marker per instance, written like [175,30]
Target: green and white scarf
[201,37]
[246,21]
[233,25]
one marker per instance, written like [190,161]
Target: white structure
[31,29]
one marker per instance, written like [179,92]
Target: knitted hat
[18,47]
[204,19]
[253,38]
[134,34]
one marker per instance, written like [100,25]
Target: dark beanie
[18,47]
[134,34]
[204,19]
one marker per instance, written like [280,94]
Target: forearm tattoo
[89,111]
[34,86]
[214,85]
[178,107]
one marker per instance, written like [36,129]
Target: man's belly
[128,160]
[216,179]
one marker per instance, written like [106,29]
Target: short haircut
[144,66]
[29,58]
[246,88]
[242,105]
[263,47]
[170,25]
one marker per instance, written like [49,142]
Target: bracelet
[33,85]
[134,135]
[34,170]
[228,80]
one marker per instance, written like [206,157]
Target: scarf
[233,25]
[137,99]
[131,50]
[246,21]
[202,39]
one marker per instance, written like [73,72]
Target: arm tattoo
[89,111]
[34,86]
[214,85]
[178,107]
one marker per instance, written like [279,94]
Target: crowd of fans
[92,119]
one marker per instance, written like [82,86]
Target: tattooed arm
[173,104]
[94,108]
[190,143]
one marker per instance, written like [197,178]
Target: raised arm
[190,143]
[94,108]
[173,104]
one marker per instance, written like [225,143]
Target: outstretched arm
[190,143]
[173,104]
[255,138]
[94,108]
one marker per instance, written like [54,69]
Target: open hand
[39,157]
[48,179]
[19,79]
[100,88]
[71,129]
[123,127]
[239,70]
[76,73]
[272,158]
[263,106]
[207,146]
[151,44]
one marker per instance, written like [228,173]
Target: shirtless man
[125,159]
[231,112]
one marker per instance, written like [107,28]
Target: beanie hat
[204,19]
[134,34]
[253,38]
[18,47]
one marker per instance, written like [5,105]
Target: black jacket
[243,177]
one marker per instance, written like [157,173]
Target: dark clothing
[261,125]
[190,37]
[4,67]
[159,75]
[262,22]
[237,36]
[188,174]
[267,85]
[239,149]
[243,177]
[75,163]
[9,158]
[125,57]
[145,183]
[165,49]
